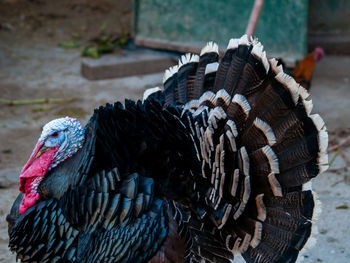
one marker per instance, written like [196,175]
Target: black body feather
[222,156]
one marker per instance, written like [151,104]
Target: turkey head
[59,140]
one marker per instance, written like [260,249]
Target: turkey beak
[41,151]
[38,150]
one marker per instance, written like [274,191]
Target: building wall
[282,26]
[329,26]
[329,16]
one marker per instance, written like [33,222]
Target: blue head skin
[59,140]
[65,133]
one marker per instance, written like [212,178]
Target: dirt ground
[32,65]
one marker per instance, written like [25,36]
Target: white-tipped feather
[290,84]
[247,189]
[187,58]
[235,247]
[307,101]
[245,160]
[244,40]
[169,73]
[257,235]
[192,104]
[222,181]
[266,129]
[233,127]
[253,40]
[222,159]
[242,101]
[244,246]
[212,120]
[200,109]
[203,164]
[222,94]
[322,142]
[207,96]
[150,91]
[208,135]
[225,217]
[258,51]
[273,63]
[294,88]
[232,140]
[260,206]
[323,162]
[235,182]
[233,44]
[323,135]
[217,162]
[246,195]
[210,47]
[308,106]
[272,157]
[204,152]
[318,121]
[307,186]
[304,94]
[217,176]
[216,113]
[318,207]
[275,185]
[265,61]
[211,67]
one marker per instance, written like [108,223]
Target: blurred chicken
[303,71]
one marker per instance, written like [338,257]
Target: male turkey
[217,163]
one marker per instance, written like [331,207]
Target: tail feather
[223,69]
[170,85]
[285,230]
[186,75]
[207,64]
[298,175]
[258,145]
[210,76]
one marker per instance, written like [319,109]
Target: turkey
[218,162]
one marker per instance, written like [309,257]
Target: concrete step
[128,63]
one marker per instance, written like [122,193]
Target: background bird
[217,163]
[305,68]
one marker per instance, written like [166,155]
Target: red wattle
[34,169]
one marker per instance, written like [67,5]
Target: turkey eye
[55,134]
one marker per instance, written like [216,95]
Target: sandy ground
[33,66]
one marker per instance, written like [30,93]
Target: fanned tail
[259,146]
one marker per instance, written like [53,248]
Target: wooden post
[254,17]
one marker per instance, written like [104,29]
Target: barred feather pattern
[258,145]
[83,225]
[223,157]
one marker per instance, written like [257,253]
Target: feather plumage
[215,164]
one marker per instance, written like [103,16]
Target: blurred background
[67,57]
